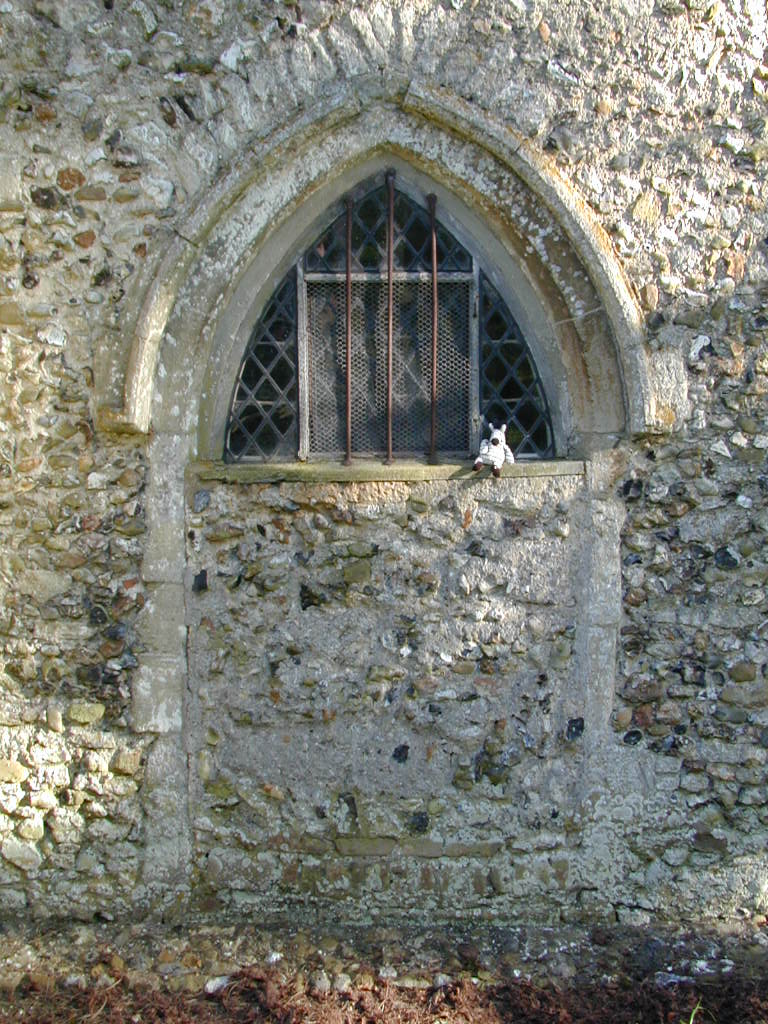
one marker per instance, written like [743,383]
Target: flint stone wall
[544,697]
[394,683]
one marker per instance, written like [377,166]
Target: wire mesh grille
[266,406]
[262,418]
[510,389]
[411,366]
[411,240]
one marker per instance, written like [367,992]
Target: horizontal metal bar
[397,275]
[406,454]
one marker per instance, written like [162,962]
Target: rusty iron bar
[432,204]
[348,459]
[390,179]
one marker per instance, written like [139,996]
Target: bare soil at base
[254,995]
[161,972]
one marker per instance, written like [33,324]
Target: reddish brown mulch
[254,996]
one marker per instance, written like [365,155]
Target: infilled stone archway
[555,270]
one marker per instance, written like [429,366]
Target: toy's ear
[504,428]
[491,426]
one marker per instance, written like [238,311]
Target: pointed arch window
[386,338]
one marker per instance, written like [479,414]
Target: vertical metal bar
[390,179]
[475,390]
[432,204]
[348,459]
[303,361]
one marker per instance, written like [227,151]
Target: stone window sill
[372,470]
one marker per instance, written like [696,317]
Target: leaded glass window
[386,338]
[262,419]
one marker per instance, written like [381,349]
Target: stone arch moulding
[550,258]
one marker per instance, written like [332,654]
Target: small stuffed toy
[494,450]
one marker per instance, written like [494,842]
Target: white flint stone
[148,19]
[44,799]
[95,155]
[22,855]
[32,828]
[215,985]
[160,191]
[721,448]
[230,57]
[699,342]
[52,334]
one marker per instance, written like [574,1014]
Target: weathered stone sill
[373,470]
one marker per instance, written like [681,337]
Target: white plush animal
[494,450]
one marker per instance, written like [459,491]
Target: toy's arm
[485,454]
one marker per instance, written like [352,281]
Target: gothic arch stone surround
[544,250]
[553,259]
